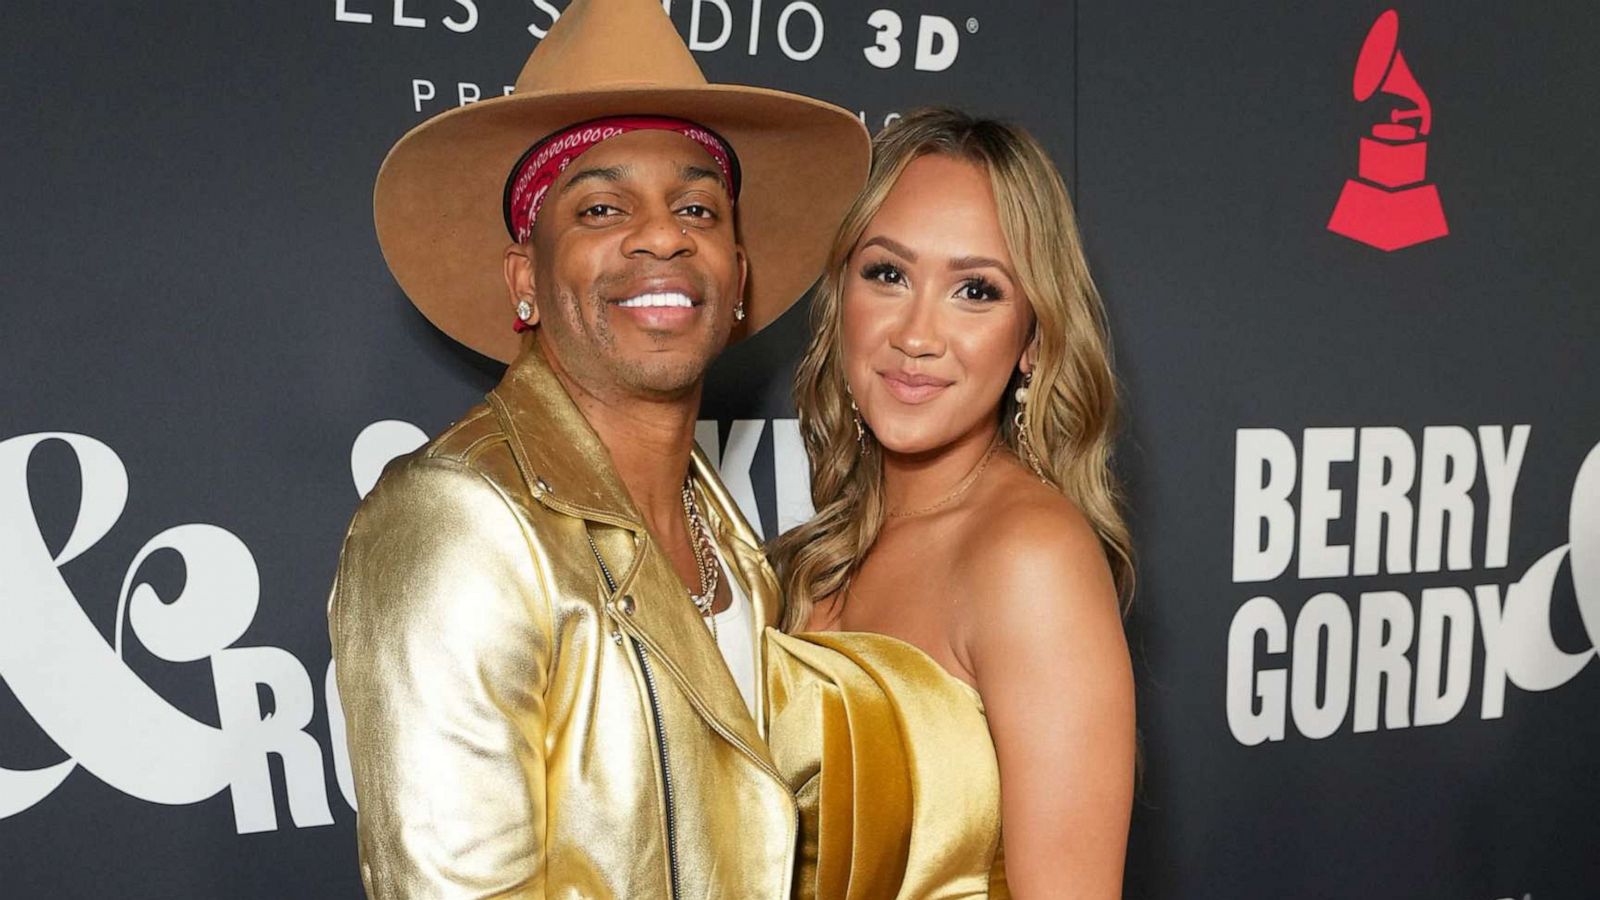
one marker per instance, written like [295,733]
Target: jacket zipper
[666,770]
[660,732]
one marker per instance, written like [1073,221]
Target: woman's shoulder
[1030,551]
[1021,524]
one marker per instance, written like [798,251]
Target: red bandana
[545,161]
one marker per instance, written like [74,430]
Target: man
[547,621]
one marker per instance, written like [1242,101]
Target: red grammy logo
[1389,205]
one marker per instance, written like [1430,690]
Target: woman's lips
[913,389]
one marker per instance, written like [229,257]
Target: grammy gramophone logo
[1390,204]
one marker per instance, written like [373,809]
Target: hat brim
[437,203]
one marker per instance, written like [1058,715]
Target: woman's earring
[861,430]
[524,314]
[738,312]
[1019,420]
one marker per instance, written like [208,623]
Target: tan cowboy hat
[438,199]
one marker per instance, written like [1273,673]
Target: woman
[954,702]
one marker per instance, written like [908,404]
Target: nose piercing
[683,231]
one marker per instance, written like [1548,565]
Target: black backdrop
[197,326]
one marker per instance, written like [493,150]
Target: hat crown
[597,43]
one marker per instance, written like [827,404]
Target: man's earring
[738,312]
[524,314]
[1020,420]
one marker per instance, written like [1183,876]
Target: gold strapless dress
[890,758]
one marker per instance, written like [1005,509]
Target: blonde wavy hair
[1071,415]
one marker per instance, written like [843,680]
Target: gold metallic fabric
[500,717]
[891,761]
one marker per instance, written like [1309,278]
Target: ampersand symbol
[71,681]
[1533,661]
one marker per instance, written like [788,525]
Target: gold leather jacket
[518,727]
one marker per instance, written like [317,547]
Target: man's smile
[660,304]
[658,299]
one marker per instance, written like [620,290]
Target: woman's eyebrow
[978,262]
[893,246]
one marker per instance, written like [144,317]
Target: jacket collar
[568,469]
[562,459]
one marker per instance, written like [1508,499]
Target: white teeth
[671,298]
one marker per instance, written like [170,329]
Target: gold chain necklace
[705,558]
[960,490]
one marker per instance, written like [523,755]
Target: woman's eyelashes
[883,273]
[974,289]
[978,289]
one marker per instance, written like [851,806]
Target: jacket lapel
[565,465]
[568,469]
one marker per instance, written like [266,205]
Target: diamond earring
[524,315]
[738,312]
